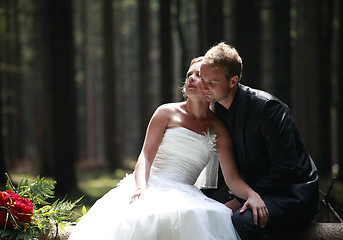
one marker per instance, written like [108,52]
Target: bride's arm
[153,138]
[236,184]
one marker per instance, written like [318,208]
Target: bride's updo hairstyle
[223,55]
[194,60]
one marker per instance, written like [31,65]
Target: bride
[160,200]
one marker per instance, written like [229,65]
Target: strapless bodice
[183,154]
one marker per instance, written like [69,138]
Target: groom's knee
[243,220]
[244,225]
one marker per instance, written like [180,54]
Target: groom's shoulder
[257,97]
[259,100]
[257,94]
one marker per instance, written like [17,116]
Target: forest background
[80,79]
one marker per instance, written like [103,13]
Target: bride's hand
[259,209]
[138,194]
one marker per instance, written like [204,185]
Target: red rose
[20,208]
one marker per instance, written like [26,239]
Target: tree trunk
[120,104]
[282,45]
[304,75]
[214,20]
[181,36]
[340,95]
[12,85]
[144,61]
[81,52]
[166,58]
[247,42]
[324,100]
[201,29]
[90,103]
[2,153]
[312,79]
[43,123]
[210,23]
[2,92]
[267,46]
[63,95]
[109,87]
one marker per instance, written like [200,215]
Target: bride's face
[193,80]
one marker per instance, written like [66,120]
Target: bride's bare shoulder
[170,107]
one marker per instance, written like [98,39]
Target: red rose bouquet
[15,211]
[25,212]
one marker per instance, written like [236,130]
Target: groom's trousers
[280,222]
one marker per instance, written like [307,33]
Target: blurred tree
[61,52]
[323,86]
[310,78]
[210,22]
[119,64]
[247,39]
[42,65]
[29,82]
[91,59]
[144,64]
[282,50]
[86,140]
[181,37]
[2,153]
[166,62]
[340,95]
[214,22]
[187,23]
[110,123]
[12,84]
[2,45]
[201,31]
[303,73]
[268,24]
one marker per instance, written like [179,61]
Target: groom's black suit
[270,153]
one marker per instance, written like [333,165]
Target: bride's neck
[199,109]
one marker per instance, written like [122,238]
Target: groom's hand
[259,209]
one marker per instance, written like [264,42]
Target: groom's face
[214,84]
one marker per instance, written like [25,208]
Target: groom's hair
[223,55]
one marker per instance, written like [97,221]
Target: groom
[269,149]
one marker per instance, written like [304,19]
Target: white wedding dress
[172,208]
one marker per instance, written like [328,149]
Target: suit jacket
[269,149]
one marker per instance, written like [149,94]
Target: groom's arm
[277,128]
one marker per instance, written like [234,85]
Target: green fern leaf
[9,184]
[37,191]
[84,210]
